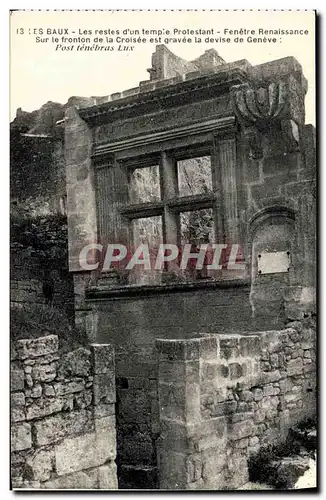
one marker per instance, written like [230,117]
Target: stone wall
[222,397]
[62,416]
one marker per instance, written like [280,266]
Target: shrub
[34,320]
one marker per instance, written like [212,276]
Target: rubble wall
[63,432]
[222,397]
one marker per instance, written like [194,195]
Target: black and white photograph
[163,243]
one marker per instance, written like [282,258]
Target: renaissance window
[171,201]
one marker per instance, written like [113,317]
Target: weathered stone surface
[104,388]
[43,407]
[17,407]
[83,399]
[16,378]
[258,394]
[237,471]
[107,477]
[242,429]
[53,429]
[107,423]
[34,348]
[63,388]
[76,363]
[250,345]
[213,461]
[294,366]
[103,358]
[83,452]
[86,480]
[104,409]
[21,438]
[44,373]
[36,391]
[48,390]
[171,350]
[237,370]
[39,465]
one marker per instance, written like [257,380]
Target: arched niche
[272,235]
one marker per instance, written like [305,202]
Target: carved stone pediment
[258,107]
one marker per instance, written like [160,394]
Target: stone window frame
[171,203]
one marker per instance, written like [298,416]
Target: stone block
[16,378]
[36,391]
[213,461]
[107,422]
[240,430]
[63,388]
[44,373]
[54,428]
[39,465]
[215,482]
[237,370]
[176,372]
[21,438]
[269,377]
[85,480]
[250,346]
[237,470]
[84,452]
[173,470]
[107,477]
[241,444]
[227,341]
[171,372]
[17,407]
[208,347]
[48,390]
[30,485]
[209,371]
[193,467]
[75,364]
[294,366]
[104,388]
[253,441]
[43,407]
[229,352]
[33,348]
[247,396]
[172,400]
[102,358]
[103,410]
[83,399]
[223,371]
[178,350]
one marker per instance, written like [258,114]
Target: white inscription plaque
[273,262]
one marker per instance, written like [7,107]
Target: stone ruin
[208,368]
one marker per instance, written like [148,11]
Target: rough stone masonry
[62,416]
[236,134]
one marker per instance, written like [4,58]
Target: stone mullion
[217,189]
[226,164]
[112,191]
[169,190]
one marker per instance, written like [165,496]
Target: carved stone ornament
[256,108]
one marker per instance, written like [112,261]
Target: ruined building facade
[203,152]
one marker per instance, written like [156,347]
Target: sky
[39,73]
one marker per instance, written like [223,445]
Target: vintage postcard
[163,250]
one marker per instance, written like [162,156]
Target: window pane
[146,231]
[197,227]
[144,185]
[194,176]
